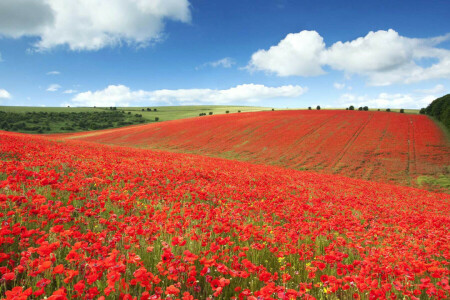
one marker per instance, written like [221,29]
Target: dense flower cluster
[90,221]
[377,146]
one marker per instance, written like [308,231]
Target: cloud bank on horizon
[120,95]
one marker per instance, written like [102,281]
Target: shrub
[156,119]
[422,111]
[227,112]
[309,108]
[351,107]
[318,107]
[273,109]
[388,109]
[402,110]
[366,108]
[210,113]
[239,111]
[360,108]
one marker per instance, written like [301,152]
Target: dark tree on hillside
[388,109]
[402,110]
[440,109]
[351,107]
[366,108]
[309,108]
[318,107]
[422,111]
[360,108]
[210,113]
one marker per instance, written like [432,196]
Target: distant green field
[72,119]
[167,113]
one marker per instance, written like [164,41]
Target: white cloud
[226,62]
[53,73]
[70,91]
[383,57]
[120,95]
[4,94]
[386,100]
[297,54]
[53,87]
[339,86]
[90,24]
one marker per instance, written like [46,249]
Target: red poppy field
[90,221]
[377,146]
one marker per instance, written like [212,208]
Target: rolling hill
[387,147]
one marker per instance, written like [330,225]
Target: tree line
[47,122]
[439,109]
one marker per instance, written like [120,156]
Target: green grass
[164,113]
[167,113]
[442,182]
[41,124]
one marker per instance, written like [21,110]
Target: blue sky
[277,53]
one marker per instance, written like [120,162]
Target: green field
[72,119]
[167,113]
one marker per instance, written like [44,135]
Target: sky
[275,53]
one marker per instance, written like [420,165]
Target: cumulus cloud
[53,73]
[4,94]
[297,54]
[120,95]
[24,17]
[90,24]
[53,87]
[226,62]
[383,57]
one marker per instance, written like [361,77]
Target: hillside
[29,119]
[87,220]
[386,147]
